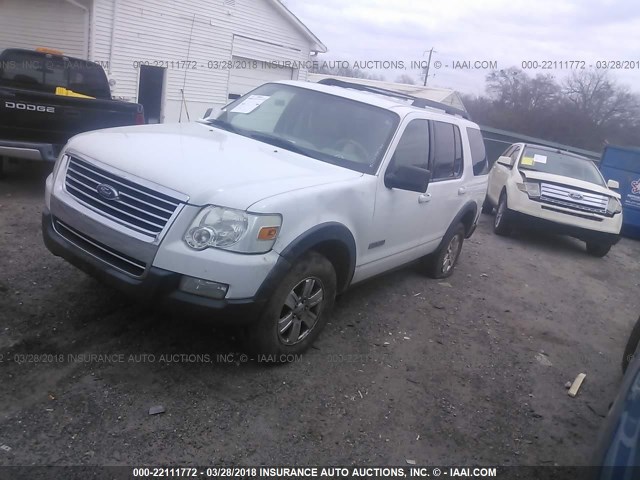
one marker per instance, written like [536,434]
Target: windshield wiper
[223,125]
[280,142]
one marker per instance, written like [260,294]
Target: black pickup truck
[35,122]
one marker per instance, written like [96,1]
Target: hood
[210,165]
[572,182]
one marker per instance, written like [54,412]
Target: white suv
[557,191]
[292,194]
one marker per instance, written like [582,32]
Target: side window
[508,151]
[413,147]
[447,158]
[478,152]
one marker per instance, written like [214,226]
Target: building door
[151,92]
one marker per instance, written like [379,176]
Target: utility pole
[426,72]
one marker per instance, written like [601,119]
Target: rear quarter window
[478,152]
[447,156]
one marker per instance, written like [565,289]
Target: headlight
[530,188]
[235,230]
[614,206]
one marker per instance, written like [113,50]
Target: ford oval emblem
[576,196]
[107,192]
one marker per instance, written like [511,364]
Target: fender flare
[324,232]
[470,206]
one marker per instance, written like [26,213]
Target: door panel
[401,230]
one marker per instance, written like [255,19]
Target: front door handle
[424,198]
[462,191]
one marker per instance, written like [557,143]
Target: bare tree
[598,97]
[513,88]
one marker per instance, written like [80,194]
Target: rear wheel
[441,263]
[598,249]
[502,222]
[298,309]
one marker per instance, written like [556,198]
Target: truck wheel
[598,249]
[486,207]
[631,349]
[442,262]
[297,311]
[502,222]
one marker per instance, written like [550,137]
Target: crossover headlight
[235,230]
[614,206]
[60,161]
[530,188]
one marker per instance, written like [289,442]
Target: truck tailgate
[33,116]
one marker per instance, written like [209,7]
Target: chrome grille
[575,199]
[138,207]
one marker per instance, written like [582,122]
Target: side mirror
[506,161]
[211,112]
[613,184]
[414,179]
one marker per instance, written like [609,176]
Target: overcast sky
[507,31]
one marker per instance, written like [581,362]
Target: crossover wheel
[298,309]
[598,249]
[442,262]
[486,207]
[502,222]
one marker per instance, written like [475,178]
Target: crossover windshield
[558,163]
[329,128]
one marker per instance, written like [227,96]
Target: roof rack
[416,102]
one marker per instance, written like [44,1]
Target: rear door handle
[462,191]
[424,198]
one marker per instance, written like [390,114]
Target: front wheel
[442,262]
[502,222]
[298,309]
[598,249]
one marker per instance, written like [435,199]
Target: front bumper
[584,234]
[565,221]
[160,288]
[46,152]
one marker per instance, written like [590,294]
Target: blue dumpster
[623,164]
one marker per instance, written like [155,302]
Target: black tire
[631,349]
[598,249]
[442,262]
[487,208]
[502,221]
[271,335]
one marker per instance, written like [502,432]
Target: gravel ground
[470,370]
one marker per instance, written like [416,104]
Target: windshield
[44,72]
[557,163]
[322,126]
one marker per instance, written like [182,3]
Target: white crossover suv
[557,191]
[292,194]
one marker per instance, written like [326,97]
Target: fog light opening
[204,288]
